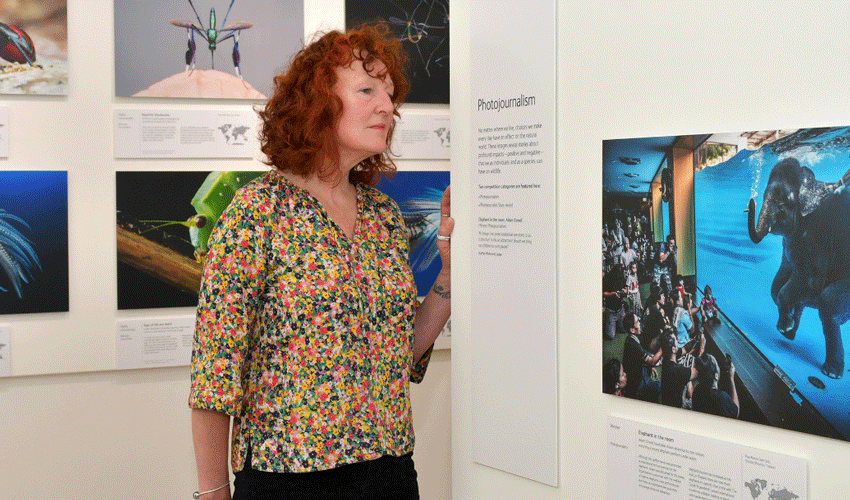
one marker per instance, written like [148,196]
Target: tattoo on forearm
[442,291]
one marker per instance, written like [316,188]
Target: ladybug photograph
[34,47]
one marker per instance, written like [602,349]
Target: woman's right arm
[211,435]
[228,301]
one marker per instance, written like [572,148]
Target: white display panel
[5,351]
[4,132]
[514,339]
[162,133]
[422,136]
[154,342]
[646,462]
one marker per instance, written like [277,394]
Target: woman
[682,320]
[613,312]
[614,378]
[308,331]
[654,318]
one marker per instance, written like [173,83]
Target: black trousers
[387,478]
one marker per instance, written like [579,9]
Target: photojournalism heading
[500,104]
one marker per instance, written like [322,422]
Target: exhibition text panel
[646,462]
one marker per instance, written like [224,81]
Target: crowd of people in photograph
[625,239]
[667,330]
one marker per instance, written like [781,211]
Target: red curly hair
[298,121]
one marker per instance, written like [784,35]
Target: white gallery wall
[625,69]
[71,426]
[633,69]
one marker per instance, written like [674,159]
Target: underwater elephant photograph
[33,241]
[726,274]
[164,220]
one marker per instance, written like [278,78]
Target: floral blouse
[304,336]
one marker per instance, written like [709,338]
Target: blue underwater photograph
[753,230]
[418,195]
[33,241]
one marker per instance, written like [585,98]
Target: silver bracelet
[197,495]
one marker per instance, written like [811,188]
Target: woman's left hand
[447,224]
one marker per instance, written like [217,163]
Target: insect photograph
[34,47]
[422,26]
[212,35]
[203,48]
[164,221]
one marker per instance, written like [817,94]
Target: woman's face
[621,382]
[367,112]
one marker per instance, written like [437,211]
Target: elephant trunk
[757,232]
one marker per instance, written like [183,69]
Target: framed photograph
[229,49]
[35,47]
[418,195]
[423,28]
[33,241]
[739,242]
[160,238]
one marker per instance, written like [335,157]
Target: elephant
[813,218]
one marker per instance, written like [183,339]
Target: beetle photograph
[34,47]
